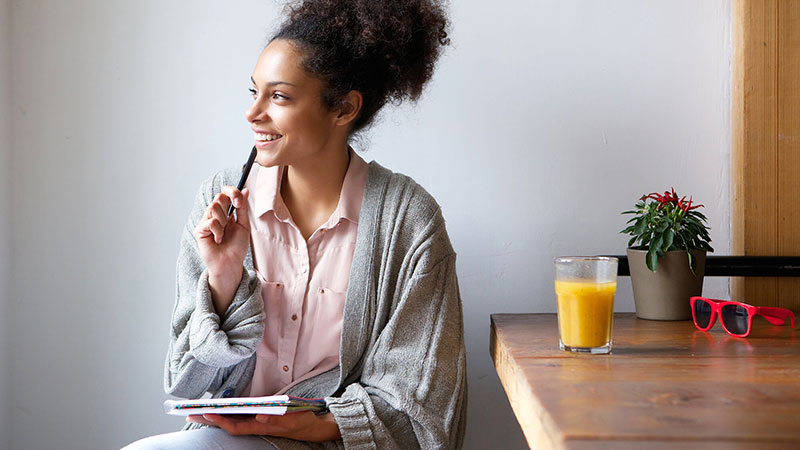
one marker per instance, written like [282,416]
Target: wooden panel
[678,444]
[665,384]
[789,146]
[766,144]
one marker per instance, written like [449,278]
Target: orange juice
[585,312]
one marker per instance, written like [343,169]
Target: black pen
[245,173]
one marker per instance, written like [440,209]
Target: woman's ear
[349,108]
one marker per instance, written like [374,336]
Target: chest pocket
[326,305]
[272,293]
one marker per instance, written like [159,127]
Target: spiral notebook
[275,405]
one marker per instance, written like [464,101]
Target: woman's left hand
[300,426]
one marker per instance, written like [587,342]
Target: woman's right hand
[223,242]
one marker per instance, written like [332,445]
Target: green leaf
[641,227]
[652,259]
[656,244]
[692,263]
[669,236]
[630,243]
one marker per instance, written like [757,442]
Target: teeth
[267,137]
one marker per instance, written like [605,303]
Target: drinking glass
[585,288]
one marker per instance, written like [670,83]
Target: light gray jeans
[200,439]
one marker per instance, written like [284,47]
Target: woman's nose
[254,112]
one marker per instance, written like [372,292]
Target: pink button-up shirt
[303,283]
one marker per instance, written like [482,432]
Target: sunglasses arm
[776,316]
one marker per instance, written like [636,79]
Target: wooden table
[665,385]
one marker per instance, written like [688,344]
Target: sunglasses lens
[702,313]
[734,317]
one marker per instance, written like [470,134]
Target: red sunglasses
[736,317]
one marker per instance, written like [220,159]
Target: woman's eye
[278,96]
[253,92]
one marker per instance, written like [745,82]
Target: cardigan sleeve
[412,390]
[204,348]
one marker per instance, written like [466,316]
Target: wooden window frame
[765,162]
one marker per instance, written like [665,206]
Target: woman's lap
[200,439]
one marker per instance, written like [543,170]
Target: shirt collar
[352,194]
[267,194]
[268,197]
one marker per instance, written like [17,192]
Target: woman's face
[288,116]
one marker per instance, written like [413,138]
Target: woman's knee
[200,439]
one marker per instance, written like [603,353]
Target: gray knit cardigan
[401,380]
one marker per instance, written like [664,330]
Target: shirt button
[285,368]
[322,291]
[277,285]
[322,230]
[228,393]
[294,316]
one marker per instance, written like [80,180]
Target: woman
[335,278]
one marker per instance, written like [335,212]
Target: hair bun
[385,49]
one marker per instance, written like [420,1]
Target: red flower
[671,197]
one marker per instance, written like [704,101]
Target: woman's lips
[264,140]
[265,144]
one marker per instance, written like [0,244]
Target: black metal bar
[738,266]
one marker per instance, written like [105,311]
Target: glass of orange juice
[585,287]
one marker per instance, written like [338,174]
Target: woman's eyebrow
[273,83]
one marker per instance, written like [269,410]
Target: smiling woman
[292,124]
[336,277]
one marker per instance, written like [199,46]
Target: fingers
[218,212]
[199,419]
[234,195]
[216,216]
[239,200]
[209,228]
[235,427]
[205,229]
[243,209]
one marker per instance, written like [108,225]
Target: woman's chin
[264,159]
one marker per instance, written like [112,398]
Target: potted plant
[666,255]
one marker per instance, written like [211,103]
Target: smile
[267,137]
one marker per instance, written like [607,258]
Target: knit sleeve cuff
[353,423]
[226,344]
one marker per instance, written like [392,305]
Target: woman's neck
[311,189]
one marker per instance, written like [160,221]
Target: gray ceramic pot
[664,294]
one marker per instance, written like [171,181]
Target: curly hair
[385,49]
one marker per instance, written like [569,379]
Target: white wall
[544,121]
[5,223]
